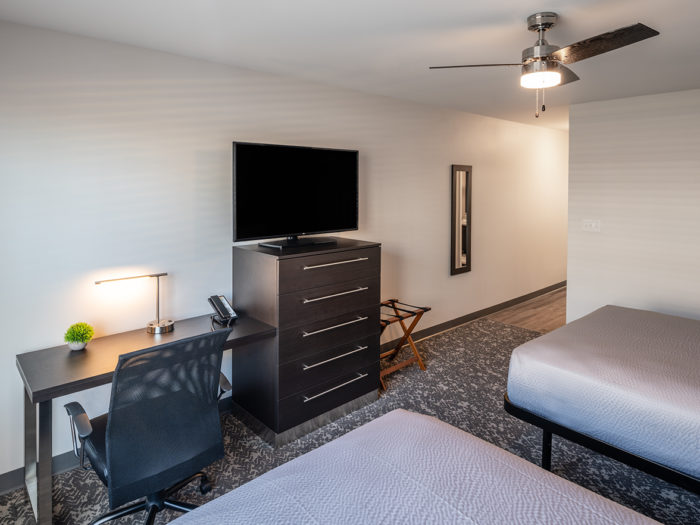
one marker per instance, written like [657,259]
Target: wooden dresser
[324,361]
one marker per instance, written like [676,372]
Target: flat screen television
[288,191]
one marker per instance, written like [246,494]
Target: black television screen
[286,191]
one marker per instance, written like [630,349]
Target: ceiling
[385,47]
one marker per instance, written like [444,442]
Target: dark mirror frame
[461,237]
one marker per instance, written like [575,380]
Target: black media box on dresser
[324,361]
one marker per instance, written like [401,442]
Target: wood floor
[542,314]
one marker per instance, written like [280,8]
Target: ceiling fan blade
[600,44]
[474,65]
[567,75]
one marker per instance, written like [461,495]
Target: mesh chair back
[163,422]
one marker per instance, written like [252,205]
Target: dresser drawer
[305,306]
[321,366]
[309,403]
[315,336]
[300,273]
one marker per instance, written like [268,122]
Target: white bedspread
[630,378]
[409,468]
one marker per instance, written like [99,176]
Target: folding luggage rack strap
[399,313]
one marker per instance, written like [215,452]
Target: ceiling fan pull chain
[537,103]
[543,108]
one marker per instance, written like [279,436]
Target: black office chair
[162,427]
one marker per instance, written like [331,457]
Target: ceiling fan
[542,65]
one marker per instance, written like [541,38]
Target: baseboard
[435,329]
[14,479]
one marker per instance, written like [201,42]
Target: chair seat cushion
[95,448]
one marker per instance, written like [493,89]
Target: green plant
[79,333]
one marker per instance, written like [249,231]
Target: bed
[409,468]
[621,381]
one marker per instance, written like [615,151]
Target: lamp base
[162,327]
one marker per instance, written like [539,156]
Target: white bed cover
[410,468]
[630,378]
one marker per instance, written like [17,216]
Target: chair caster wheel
[204,486]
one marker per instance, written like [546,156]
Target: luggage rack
[399,313]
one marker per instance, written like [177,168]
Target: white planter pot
[76,346]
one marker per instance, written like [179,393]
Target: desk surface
[58,371]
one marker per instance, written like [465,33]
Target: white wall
[635,166]
[116,160]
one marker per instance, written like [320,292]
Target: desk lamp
[159,326]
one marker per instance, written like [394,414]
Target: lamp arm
[158,299]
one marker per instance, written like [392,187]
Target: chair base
[157,502]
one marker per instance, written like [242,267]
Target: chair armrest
[80,419]
[224,383]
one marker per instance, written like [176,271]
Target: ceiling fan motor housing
[542,51]
[539,23]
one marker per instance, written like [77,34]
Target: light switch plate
[590,225]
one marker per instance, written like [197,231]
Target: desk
[57,371]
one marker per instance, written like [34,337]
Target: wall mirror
[460,252]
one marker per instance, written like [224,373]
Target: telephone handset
[222,308]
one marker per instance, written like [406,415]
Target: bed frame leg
[546,450]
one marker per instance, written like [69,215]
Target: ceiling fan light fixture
[540,74]
[540,79]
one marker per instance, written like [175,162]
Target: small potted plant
[78,335]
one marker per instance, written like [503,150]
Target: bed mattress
[410,468]
[630,378]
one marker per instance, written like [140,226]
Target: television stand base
[291,243]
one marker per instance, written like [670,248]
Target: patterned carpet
[463,385]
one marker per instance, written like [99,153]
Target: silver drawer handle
[358,349]
[334,263]
[359,376]
[358,289]
[307,334]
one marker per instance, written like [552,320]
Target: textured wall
[635,167]
[116,160]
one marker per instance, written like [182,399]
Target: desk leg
[37,474]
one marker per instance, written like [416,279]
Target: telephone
[223,309]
